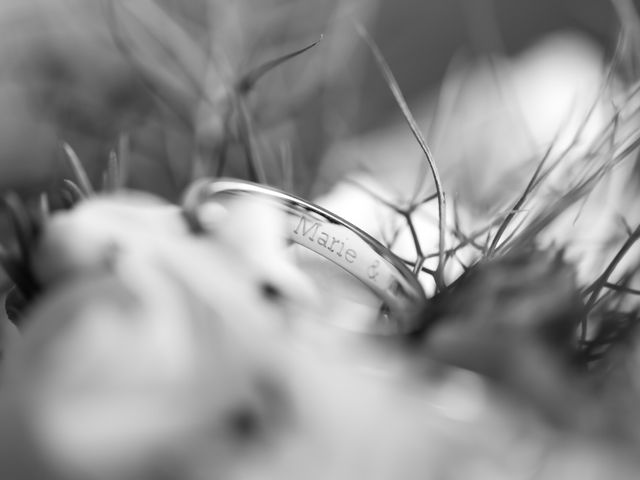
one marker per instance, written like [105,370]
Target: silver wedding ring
[339,241]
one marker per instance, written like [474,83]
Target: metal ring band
[339,241]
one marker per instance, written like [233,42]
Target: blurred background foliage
[420,39]
[159,74]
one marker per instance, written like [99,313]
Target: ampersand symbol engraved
[394,288]
[372,271]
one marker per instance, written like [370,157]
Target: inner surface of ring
[346,249]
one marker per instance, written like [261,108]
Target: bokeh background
[64,78]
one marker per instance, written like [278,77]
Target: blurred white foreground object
[146,331]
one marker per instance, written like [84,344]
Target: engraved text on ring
[312,230]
